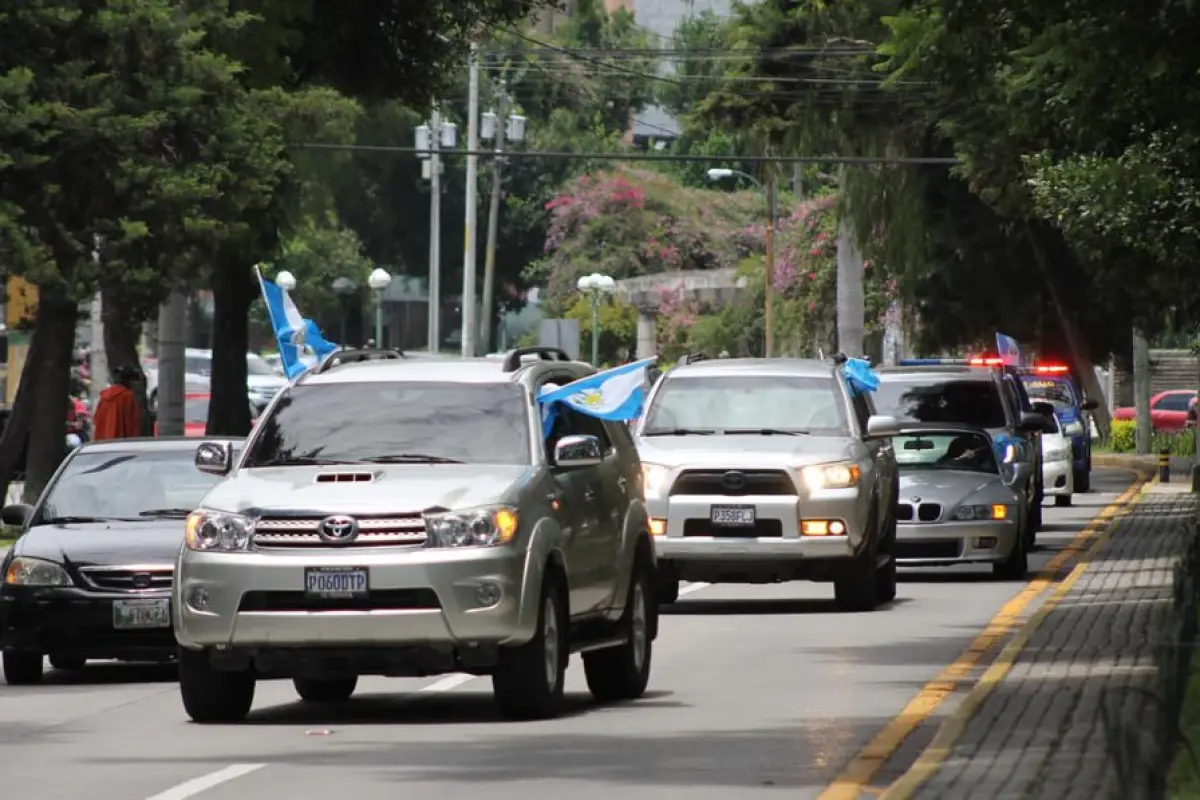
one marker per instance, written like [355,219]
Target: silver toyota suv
[767,470]
[401,517]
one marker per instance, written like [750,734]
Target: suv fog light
[658,527]
[198,598]
[822,527]
[487,595]
[985,542]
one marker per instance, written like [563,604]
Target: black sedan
[91,576]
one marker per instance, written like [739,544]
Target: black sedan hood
[104,543]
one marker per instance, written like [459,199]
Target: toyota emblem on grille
[733,480]
[338,529]
[141,580]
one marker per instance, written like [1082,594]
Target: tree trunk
[54,332]
[15,443]
[172,364]
[122,331]
[233,292]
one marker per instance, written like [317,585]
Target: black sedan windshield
[412,423]
[142,484]
[970,452]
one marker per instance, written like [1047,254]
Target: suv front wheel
[210,695]
[528,681]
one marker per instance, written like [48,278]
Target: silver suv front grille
[394,530]
[131,578]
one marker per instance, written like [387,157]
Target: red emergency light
[985,361]
[1051,369]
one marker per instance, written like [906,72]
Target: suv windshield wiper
[411,458]
[166,513]
[75,520]
[303,461]
[679,432]
[766,432]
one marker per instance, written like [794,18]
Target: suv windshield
[729,403]
[970,452]
[1057,391]
[126,485]
[474,423]
[966,402]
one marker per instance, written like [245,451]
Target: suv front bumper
[416,597]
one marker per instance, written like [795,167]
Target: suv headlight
[475,527]
[1073,428]
[209,530]
[24,571]
[843,475]
[654,478]
[994,512]
[1060,454]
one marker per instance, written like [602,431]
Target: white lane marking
[447,683]
[205,782]
[688,588]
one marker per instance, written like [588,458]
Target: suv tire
[885,575]
[621,673]
[1062,500]
[1083,480]
[856,587]
[68,663]
[210,695]
[325,690]
[22,668]
[528,681]
[666,588]
[1016,566]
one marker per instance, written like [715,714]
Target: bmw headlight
[1073,428]
[209,530]
[995,511]
[843,475]
[24,571]
[1059,454]
[654,478]
[475,527]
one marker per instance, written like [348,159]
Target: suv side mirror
[1043,408]
[1032,422]
[214,458]
[16,515]
[1089,405]
[881,427]
[578,451]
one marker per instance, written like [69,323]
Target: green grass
[1184,782]
[8,535]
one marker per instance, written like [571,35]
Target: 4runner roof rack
[692,358]
[340,357]
[512,359]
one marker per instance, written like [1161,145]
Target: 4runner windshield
[747,404]
[970,452]
[400,423]
[920,399]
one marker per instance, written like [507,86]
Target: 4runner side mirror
[578,451]
[881,427]
[1032,422]
[214,458]
[16,515]
[1089,405]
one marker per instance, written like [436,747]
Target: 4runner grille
[734,482]
[393,530]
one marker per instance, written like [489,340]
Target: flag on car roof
[615,394]
[299,339]
[1008,350]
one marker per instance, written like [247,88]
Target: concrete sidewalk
[1034,726]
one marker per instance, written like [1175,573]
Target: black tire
[885,575]
[1036,513]
[856,587]
[528,681]
[1083,480]
[22,668]
[666,588]
[622,673]
[1016,566]
[325,690]
[1033,520]
[1062,500]
[210,695]
[68,663]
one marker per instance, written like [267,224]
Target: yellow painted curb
[854,779]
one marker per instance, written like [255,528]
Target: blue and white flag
[1008,350]
[615,394]
[860,378]
[299,339]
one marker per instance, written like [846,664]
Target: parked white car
[1057,475]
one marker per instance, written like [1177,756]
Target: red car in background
[1168,410]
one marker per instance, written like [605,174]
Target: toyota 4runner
[406,517]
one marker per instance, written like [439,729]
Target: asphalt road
[755,691]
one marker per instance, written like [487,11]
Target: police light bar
[985,362]
[1051,369]
[931,362]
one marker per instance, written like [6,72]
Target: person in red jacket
[118,415]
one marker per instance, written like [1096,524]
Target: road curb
[1147,464]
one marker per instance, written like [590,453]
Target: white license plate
[134,614]
[733,516]
[336,582]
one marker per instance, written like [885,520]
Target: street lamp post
[379,280]
[720,174]
[596,286]
[344,288]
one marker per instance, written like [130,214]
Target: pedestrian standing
[118,415]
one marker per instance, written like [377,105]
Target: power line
[627,156]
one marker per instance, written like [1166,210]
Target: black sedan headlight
[36,573]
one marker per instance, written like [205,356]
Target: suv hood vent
[345,477]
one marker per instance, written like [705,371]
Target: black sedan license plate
[139,614]
[732,516]
[336,582]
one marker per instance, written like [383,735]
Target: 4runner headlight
[654,478]
[209,530]
[474,527]
[1073,428]
[1062,454]
[24,571]
[831,476]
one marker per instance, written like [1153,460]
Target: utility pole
[430,139]
[99,356]
[768,348]
[1141,392]
[469,334]
[499,126]
[851,307]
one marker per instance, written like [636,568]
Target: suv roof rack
[339,357]
[512,359]
[692,358]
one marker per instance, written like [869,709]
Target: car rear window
[966,402]
[747,402]
[485,423]
[1056,390]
